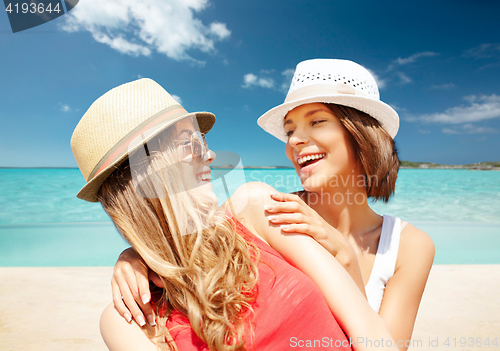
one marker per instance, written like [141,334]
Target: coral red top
[290,310]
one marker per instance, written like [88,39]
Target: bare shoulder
[248,205]
[251,198]
[118,334]
[411,236]
[258,192]
[415,245]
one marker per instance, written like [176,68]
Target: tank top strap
[385,260]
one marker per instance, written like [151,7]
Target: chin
[313,183]
[207,191]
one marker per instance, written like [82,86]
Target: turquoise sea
[42,223]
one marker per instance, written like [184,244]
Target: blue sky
[437,63]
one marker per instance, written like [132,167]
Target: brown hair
[209,271]
[375,149]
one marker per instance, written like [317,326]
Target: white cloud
[139,27]
[446,86]
[404,78]
[478,109]
[382,83]
[65,108]
[424,131]
[267,78]
[177,98]
[220,30]
[287,79]
[469,129]
[487,50]
[251,79]
[410,59]
[398,108]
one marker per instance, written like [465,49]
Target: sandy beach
[58,308]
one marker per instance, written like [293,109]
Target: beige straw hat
[340,82]
[121,121]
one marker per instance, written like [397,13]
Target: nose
[209,156]
[297,138]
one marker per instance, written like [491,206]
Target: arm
[114,328]
[344,298]
[130,286]
[404,290]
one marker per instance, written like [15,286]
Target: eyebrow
[188,131]
[308,114]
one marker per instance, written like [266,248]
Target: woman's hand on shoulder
[288,212]
[130,286]
[270,213]
[249,202]
[293,215]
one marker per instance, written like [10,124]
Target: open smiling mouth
[205,177]
[309,160]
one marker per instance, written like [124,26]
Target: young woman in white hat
[340,138]
[225,288]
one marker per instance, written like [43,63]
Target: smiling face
[319,146]
[196,171]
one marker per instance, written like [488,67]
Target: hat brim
[272,120]
[89,191]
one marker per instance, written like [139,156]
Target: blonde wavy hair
[209,271]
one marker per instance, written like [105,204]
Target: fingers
[286,197]
[118,301]
[131,294]
[128,307]
[300,224]
[294,223]
[143,288]
[285,207]
[288,218]
[145,295]
[301,228]
[286,203]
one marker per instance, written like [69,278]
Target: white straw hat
[340,82]
[121,121]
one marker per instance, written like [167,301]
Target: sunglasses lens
[198,147]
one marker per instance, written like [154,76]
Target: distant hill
[251,167]
[483,166]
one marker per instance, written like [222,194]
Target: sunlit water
[42,223]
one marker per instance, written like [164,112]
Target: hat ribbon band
[157,121]
[323,89]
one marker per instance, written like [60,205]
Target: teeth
[206,176]
[304,159]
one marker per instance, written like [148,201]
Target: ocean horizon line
[486,165]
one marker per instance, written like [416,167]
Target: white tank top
[385,261]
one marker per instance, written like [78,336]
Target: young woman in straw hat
[340,138]
[225,288]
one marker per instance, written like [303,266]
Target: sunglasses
[198,145]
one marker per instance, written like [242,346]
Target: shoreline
[58,309]
[480,166]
